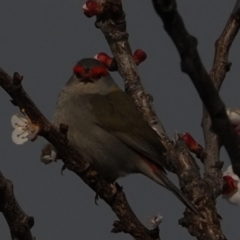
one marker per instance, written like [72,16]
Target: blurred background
[42,40]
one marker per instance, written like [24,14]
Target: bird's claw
[96,199]
[64,167]
[118,187]
[117,227]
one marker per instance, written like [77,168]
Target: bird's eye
[98,72]
[78,71]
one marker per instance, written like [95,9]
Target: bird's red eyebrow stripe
[78,69]
[96,71]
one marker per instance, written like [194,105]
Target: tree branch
[111,20]
[200,193]
[75,162]
[113,25]
[219,69]
[18,221]
[192,65]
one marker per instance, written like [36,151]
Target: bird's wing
[117,114]
[126,123]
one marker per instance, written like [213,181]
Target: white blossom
[84,7]
[234,116]
[24,129]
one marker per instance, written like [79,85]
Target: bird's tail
[164,181]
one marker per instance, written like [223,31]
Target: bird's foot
[96,199]
[117,227]
[118,187]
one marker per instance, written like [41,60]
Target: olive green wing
[119,115]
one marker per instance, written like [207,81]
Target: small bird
[107,129]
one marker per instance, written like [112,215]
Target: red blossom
[139,56]
[231,185]
[193,146]
[105,59]
[92,8]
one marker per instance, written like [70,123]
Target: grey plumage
[107,129]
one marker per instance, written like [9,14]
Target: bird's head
[91,76]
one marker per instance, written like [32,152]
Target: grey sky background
[42,40]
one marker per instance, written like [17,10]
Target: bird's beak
[86,79]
